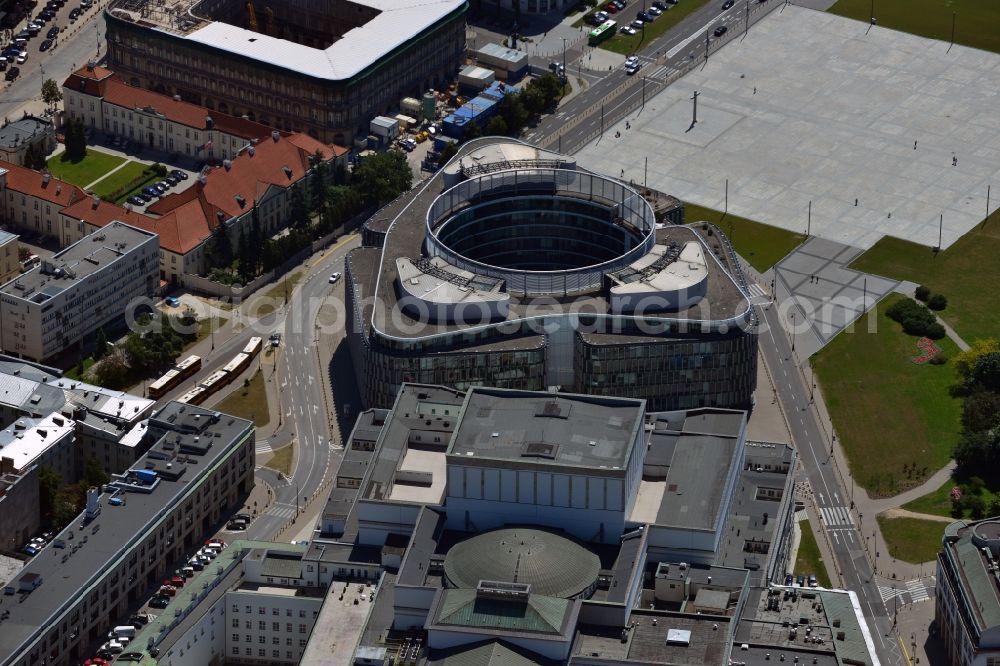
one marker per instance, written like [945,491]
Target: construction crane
[252,15]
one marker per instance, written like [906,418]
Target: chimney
[95,201]
[209,122]
[251,151]
[202,179]
[58,188]
[177,98]
[275,135]
[227,164]
[45,179]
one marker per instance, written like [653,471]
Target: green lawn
[960,272]
[911,539]
[976,21]
[808,560]
[760,244]
[83,172]
[248,403]
[626,44]
[282,460]
[889,412]
[119,179]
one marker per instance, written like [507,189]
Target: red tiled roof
[182,229]
[105,213]
[280,163]
[28,181]
[90,80]
[101,82]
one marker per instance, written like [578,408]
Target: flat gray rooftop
[564,429]
[834,118]
[22,130]
[92,550]
[90,254]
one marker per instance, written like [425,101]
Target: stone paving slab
[834,119]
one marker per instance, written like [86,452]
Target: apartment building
[131,534]
[104,102]
[10,264]
[91,283]
[17,137]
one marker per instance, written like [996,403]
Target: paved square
[834,118]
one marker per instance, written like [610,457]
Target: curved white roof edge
[398,22]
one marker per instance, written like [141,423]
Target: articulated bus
[174,376]
[194,397]
[253,347]
[604,31]
[215,381]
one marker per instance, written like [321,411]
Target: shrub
[935,331]
[159,170]
[915,318]
[937,302]
[939,359]
[922,293]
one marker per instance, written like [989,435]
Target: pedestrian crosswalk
[262,446]
[756,290]
[917,590]
[281,510]
[888,593]
[836,516]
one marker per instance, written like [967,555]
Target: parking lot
[36,37]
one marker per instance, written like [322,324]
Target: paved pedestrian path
[117,168]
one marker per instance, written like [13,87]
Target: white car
[334,278]
[631,61]
[22,57]
[627,30]
[654,11]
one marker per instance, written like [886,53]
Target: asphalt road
[76,43]
[664,59]
[831,501]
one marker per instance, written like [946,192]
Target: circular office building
[554,565]
[542,230]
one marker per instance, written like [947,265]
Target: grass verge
[205,329]
[248,402]
[760,244]
[895,420]
[938,502]
[628,44]
[84,171]
[282,460]
[976,21]
[959,273]
[275,297]
[911,539]
[808,560]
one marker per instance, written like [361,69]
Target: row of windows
[261,652]
[261,610]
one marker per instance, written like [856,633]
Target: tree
[980,411]
[965,361]
[986,372]
[497,126]
[219,252]
[317,180]
[298,213]
[472,131]
[448,152]
[513,112]
[94,475]
[976,453]
[51,94]
[382,177]
[75,139]
[112,371]
[48,490]
[100,344]
[937,302]
[922,293]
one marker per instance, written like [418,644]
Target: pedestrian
[755,90]
[914,145]
[627,126]
[855,202]
[623,173]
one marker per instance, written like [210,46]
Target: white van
[126,630]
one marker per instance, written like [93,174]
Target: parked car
[172,179]
[789,579]
[150,191]
[74,13]
[620,4]
[627,30]
[136,200]
[196,564]
[166,591]
[637,25]
[662,6]
[653,11]
[179,174]
[53,31]
[727,4]
[177,581]
[160,187]
[172,301]
[812,581]
[720,31]
[800,580]
[611,8]
[47,15]
[12,73]
[159,601]
[45,45]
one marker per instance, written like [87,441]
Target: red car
[177,581]
[610,8]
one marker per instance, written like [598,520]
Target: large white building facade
[82,288]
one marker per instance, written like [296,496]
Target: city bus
[604,31]
[174,376]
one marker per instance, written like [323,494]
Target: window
[302,613]
[249,638]
[275,611]
[275,641]
[262,639]
[262,626]
[275,653]
[236,638]
[261,652]
[288,627]
[236,651]
[302,642]
[275,626]
[260,610]
[236,623]
[302,628]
